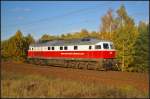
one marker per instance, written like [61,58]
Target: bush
[16,86]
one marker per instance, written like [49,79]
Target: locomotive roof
[84,41]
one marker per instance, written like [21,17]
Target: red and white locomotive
[86,53]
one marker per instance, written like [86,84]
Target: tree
[16,46]
[122,31]
[4,48]
[19,43]
[125,36]
[26,42]
[107,22]
[107,25]
[76,35]
[69,36]
[13,47]
[63,36]
[94,34]
[29,39]
[141,50]
[84,33]
[46,38]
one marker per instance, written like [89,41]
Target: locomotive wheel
[73,64]
[81,65]
[85,65]
[63,63]
[77,65]
[97,66]
[36,61]
[69,64]
[29,61]
[91,65]
[43,62]
[66,64]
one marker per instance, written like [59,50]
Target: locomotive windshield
[105,46]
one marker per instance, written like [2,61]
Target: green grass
[16,85]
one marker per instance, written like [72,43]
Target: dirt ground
[137,80]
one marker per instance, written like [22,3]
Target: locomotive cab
[106,45]
[106,48]
[107,54]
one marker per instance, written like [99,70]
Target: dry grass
[16,85]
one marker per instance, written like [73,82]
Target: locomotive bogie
[94,64]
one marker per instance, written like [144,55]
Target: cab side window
[97,46]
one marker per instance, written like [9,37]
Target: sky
[61,17]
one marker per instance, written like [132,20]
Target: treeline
[130,40]
[16,47]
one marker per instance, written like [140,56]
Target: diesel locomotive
[85,53]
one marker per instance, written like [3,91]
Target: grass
[16,86]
